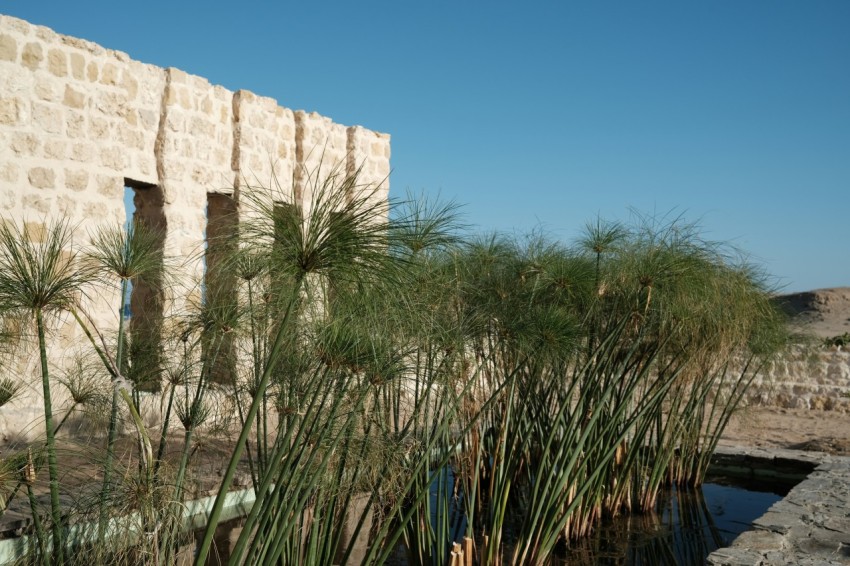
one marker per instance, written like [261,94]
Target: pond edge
[809,526]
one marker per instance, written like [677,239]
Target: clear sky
[732,113]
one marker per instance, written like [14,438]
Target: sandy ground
[769,427]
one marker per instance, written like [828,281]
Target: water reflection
[687,527]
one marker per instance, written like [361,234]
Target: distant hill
[823,312]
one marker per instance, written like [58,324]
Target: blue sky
[731,113]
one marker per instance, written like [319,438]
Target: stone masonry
[810,526]
[805,377]
[79,123]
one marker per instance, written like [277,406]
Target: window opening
[146,303]
[129,211]
[219,284]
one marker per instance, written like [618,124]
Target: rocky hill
[823,313]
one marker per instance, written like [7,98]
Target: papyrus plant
[126,257]
[338,235]
[40,278]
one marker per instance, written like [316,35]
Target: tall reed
[130,256]
[40,277]
[340,237]
[396,382]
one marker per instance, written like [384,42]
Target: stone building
[81,125]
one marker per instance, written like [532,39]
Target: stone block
[130,85]
[822,542]
[207,106]
[55,149]
[76,179]
[37,203]
[110,104]
[78,66]
[98,128]
[201,128]
[75,125]
[92,71]
[73,98]
[42,178]
[8,197]
[735,557]
[9,172]
[32,56]
[57,62]
[176,76]
[146,167]
[47,89]
[148,118]
[24,144]
[131,138]
[11,111]
[113,158]
[47,118]
[112,187]
[82,151]
[185,98]
[175,122]
[66,206]
[8,48]
[110,75]
[760,541]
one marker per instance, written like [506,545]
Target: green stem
[37,526]
[101,354]
[204,550]
[262,445]
[20,482]
[65,418]
[163,437]
[169,543]
[254,473]
[55,511]
[113,421]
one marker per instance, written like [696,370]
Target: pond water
[688,526]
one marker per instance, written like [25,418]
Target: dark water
[687,527]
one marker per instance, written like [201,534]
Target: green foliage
[9,389]
[39,275]
[132,254]
[398,382]
[837,341]
[39,269]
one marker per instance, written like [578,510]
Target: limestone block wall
[79,123]
[805,377]
[264,143]
[321,145]
[369,152]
